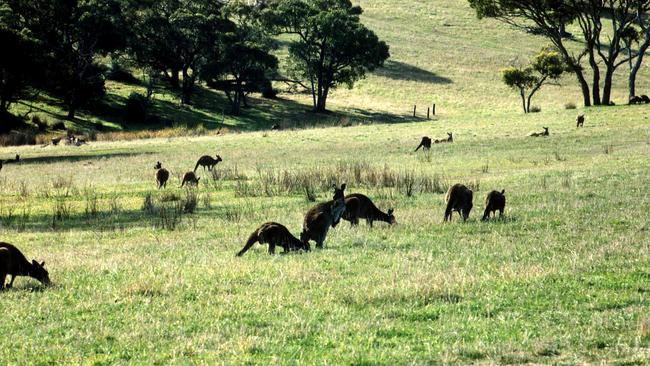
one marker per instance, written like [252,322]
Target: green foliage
[546,66]
[137,106]
[18,66]
[177,38]
[333,48]
[70,34]
[245,64]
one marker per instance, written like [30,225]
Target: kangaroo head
[39,272]
[391,217]
[545,129]
[219,158]
[339,193]
[451,136]
[157,166]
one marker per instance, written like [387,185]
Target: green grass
[564,278]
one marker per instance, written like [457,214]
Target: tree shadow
[76,157]
[397,70]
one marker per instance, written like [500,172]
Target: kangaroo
[458,198]
[645,99]
[320,217]
[276,127]
[425,144]
[495,201]
[580,120]
[539,134]
[162,175]
[360,206]
[207,161]
[190,178]
[14,263]
[274,234]
[450,138]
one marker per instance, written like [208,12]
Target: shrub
[535,109]
[117,72]
[16,138]
[570,105]
[137,107]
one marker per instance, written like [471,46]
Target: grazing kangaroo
[580,120]
[320,217]
[207,161]
[458,198]
[495,201]
[14,263]
[645,99]
[162,175]
[425,144]
[359,206]
[274,234]
[539,134]
[190,178]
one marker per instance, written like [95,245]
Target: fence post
[434,109]
[414,108]
[428,111]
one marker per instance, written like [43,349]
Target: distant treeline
[55,46]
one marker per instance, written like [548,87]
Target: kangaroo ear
[35,263]
[390,211]
[503,191]
[343,187]
[43,264]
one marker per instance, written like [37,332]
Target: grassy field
[564,278]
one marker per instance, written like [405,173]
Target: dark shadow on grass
[397,70]
[77,157]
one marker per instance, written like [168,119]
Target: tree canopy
[332,47]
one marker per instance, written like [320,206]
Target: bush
[136,108]
[117,72]
[535,109]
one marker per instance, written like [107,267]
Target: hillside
[440,53]
[147,276]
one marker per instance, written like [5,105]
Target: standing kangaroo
[275,235]
[207,161]
[425,144]
[162,175]
[495,201]
[14,263]
[320,217]
[190,178]
[580,120]
[359,206]
[458,198]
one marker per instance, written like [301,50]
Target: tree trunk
[607,87]
[523,100]
[174,79]
[577,70]
[595,85]
[188,83]
[637,65]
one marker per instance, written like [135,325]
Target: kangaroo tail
[252,239]
[196,167]
[419,146]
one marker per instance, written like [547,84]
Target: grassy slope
[563,279]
